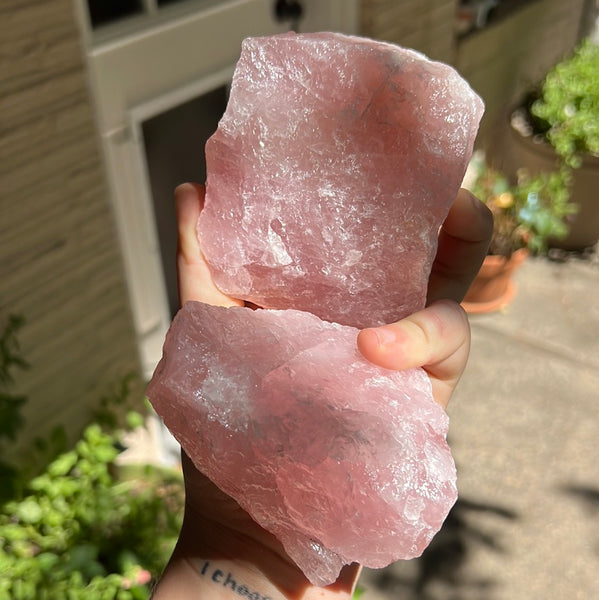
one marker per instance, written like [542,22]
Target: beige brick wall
[425,25]
[60,265]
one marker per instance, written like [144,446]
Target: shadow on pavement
[438,573]
[588,497]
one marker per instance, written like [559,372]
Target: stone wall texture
[425,25]
[60,265]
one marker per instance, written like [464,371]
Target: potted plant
[558,127]
[526,216]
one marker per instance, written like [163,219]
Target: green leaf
[29,511]
[105,454]
[63,464]
[139,592]
[83,559]
[46,561]
[134,419]
[569,104]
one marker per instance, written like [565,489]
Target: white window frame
[136,75]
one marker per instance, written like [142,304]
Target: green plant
[527,214]
[80,532]
[80,529]
[567,110]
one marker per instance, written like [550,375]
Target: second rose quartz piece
[341,460]
[330,173]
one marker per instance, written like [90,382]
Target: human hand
[219,542]
[437,338]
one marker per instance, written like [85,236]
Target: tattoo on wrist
[226,579]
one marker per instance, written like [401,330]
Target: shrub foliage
[80,529]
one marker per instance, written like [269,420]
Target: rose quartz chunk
[330,173]
[341,460]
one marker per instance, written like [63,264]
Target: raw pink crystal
[341,460]
[330,173]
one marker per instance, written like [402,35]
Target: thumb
[436,338]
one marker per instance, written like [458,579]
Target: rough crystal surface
[342,460]
[330,173]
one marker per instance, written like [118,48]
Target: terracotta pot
[494,287]
[538,156]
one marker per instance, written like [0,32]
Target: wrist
[212,562]
[213,579]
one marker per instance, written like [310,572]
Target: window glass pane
[107,11]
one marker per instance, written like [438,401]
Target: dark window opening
[174,143]
[102,12]
[165,2]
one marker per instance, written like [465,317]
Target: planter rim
[494,265]
[476,308]
[494,262]
[500,258]
[518,150]
[540,143]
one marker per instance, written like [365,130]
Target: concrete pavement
[525,435]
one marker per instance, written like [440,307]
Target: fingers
[436,338]
[194,278]
[463,242]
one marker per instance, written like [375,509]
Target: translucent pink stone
[341,460]
[330,173]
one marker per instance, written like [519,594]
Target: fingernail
[385,335]
[184,188]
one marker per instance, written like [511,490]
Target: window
[102,12]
